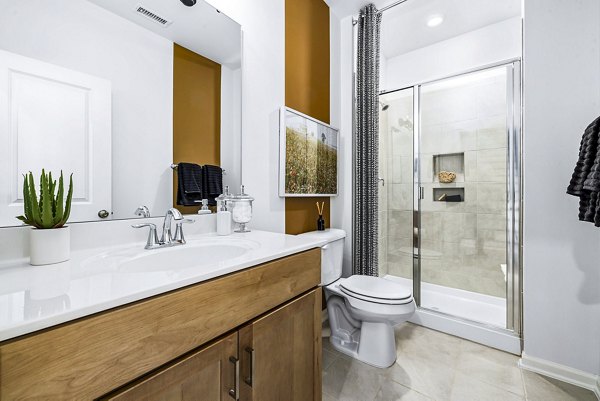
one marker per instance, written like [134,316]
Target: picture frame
[308,156]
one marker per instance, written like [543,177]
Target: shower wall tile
[431,249]
[491,99]
[383,222]
[454,137]
[382,256]
[492,137]
[406,163]
[400,225]
[459,136]
[458,226]
[491,198]
[382,196]
[491,221]
[431,226]
[396,170]
[402,141]
[401,268]
[471,166]
[491,165]
[426,161]
[401,197]
[449,105]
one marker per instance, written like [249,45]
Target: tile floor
[436,366]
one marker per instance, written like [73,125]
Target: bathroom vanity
[249,328]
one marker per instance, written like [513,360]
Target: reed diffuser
[320,221]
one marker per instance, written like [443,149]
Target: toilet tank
[332,253]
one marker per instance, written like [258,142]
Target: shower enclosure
[456,243]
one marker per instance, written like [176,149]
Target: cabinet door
[281,353]
[207,375]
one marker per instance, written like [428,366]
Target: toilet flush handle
[325,246]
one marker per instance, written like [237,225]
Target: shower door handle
[421,193]
[382,181]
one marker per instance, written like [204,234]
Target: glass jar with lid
[241,210]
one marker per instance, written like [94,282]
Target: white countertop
[37,297]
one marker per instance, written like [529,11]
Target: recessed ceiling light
[435,20]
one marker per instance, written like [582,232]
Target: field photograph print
[310,157]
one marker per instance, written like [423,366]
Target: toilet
[362,310]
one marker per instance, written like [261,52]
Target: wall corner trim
[560,372]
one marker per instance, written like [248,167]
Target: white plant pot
[50,246]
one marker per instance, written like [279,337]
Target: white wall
[231,127]
[561,254]
[84,37]
[493,43]
[341,206]
[263,93]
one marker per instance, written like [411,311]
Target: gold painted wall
[306,89]
[196,112]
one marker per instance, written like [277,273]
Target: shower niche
[449,194]
[450,162]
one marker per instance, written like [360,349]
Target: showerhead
[384,106]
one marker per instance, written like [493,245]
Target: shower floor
[480,308]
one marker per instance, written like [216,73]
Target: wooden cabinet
[206,375]
[281,353]
[156,349]
[278,359]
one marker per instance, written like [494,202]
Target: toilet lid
[376,288]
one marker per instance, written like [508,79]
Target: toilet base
[372,343]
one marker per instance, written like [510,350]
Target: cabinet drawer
[90,357]
[208,374]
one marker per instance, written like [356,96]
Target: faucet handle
[152,241]
[179,230]
[142,211]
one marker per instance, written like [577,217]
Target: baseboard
[561,372]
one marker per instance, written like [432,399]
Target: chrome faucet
[172,214]
[166,239]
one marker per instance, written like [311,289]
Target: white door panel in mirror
[108,41]
[57,119]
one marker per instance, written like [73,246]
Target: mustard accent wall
[196,112]
[307,78]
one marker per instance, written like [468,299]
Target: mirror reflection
[118,93]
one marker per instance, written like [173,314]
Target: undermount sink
[194,254]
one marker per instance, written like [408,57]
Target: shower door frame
[514,192]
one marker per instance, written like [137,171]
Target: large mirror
[118,93]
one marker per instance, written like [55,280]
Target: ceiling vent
[151,15]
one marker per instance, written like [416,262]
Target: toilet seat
[376,289]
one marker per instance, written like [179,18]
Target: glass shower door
[396,135]
[465,186]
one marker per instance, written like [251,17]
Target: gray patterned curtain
[366,143]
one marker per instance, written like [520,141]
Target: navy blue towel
[212,183]
[189,184]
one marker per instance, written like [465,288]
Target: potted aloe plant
[50,240]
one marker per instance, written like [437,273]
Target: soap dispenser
[223,215]
[204,209]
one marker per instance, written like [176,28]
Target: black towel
[585,182]
[212,183]
[189,184]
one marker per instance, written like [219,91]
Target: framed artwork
[308,156]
